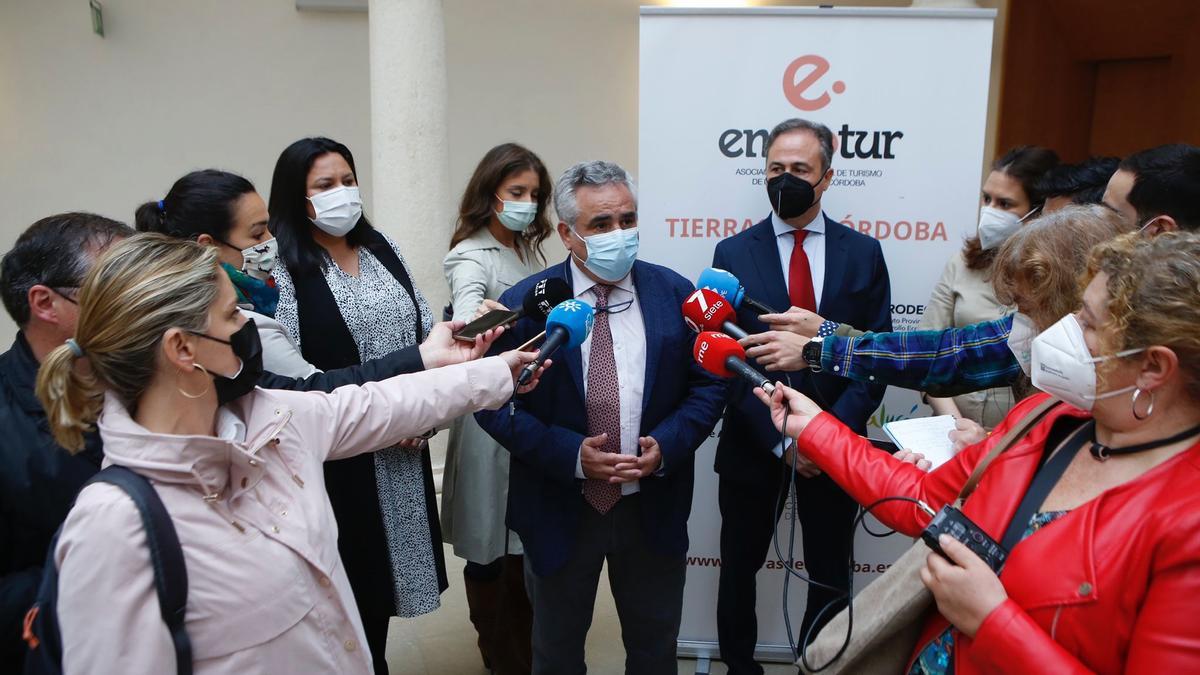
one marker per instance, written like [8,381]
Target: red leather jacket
[1112,587]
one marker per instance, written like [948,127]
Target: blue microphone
[567,325]
[727,286]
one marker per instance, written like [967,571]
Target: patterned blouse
[380,316]
[938,656]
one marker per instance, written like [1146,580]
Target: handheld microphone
[543,297]
[722,356]
[567,325]
[728,287]
[707,310]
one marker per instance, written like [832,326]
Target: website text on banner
[905,94]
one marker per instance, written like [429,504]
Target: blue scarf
[259,295]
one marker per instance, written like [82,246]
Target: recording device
[567,325]
[707,310]
[537,304]
[727,286]
[951,521]
[722,356]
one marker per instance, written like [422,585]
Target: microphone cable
[848,596]
[789,483]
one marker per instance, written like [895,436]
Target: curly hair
[1038,268]
[1153,289]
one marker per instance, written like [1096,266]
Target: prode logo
[795,91]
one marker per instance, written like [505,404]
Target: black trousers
[647,587]
[749,513]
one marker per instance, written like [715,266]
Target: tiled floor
[443,643]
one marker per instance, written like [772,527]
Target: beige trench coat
[475,482]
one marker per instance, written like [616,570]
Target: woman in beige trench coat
[502,223]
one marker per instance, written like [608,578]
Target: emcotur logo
[797,92]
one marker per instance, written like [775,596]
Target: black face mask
[791,196]
[246,346]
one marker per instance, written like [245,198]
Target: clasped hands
[615,467]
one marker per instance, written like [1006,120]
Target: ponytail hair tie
[160,205]
[75,348]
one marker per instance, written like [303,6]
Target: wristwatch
[811,353]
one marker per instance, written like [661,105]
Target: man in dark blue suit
[795,257]
[602,451]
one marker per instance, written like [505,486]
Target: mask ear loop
[201,394]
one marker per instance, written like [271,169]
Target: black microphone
[567,325]
[543,297]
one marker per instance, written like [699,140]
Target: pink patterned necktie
[603,402]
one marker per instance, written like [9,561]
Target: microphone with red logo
[727,286]
[722,356]
[707,310]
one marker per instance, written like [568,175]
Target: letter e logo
[795,91]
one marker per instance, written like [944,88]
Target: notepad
[929,436]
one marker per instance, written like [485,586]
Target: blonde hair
[1153,297]
[138,290]
[1043,261]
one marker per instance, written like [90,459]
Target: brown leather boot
[482,602]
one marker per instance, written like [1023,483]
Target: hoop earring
[1133,405]
[193,396]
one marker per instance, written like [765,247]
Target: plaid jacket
[939,362]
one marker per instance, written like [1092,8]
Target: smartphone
[494,318]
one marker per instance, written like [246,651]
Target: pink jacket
[266,589]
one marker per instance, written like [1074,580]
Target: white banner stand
[905,93]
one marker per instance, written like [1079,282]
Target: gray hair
[822,132]
[595,173]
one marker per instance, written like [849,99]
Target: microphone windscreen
[722,283]
[707,310]
[544,296]
[711,350]
[573,316]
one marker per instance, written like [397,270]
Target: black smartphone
[494,318]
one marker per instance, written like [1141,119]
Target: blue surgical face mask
[610,255]
[517,216]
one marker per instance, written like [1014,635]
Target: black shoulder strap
[1043,482]
[383,252]
[166,557]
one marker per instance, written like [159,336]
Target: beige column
[410,182]
[410,185]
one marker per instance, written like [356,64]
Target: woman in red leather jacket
[1106,578]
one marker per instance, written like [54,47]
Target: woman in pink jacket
[171,367]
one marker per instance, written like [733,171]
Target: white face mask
[338,210]
[1064,367]
[1020,339]
[258,261]
[995,226]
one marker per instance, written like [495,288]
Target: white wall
[104,124]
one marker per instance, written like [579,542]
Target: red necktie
[800,285]
[603,402]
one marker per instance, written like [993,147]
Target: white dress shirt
[629,351]
[814,247]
